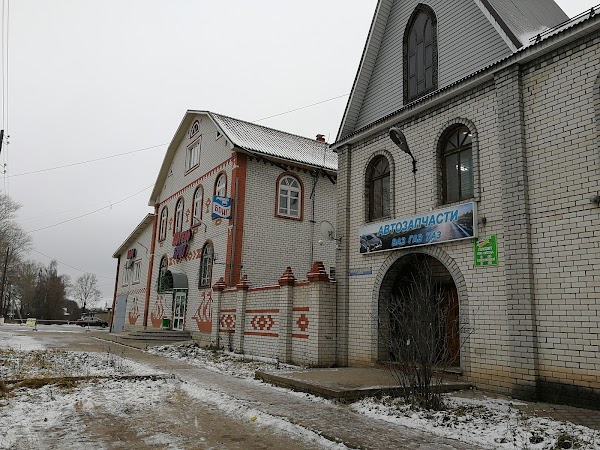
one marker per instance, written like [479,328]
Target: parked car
[91,321]
[369,242]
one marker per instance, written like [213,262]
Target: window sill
[190,170]
[298,219]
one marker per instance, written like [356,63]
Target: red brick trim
[287,279]
[301,208]
[150,264]
[302,309]
[233,265]
[226,331]
[227,310]
[302,283]
[318,272]
[256,333]
[198,180]
[261,311]
[300,336]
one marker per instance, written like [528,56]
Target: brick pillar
[240,314]
[520,302]
[218,289]
[344,186]
[322,294]
[287,282]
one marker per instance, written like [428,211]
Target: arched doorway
[419,312]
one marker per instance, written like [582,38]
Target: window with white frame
[162,230]
[179,216]
[193,155]
[126,273]
[137,271]
[221,186]
[197,206]
[206,262]
[290,197]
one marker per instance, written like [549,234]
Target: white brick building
[504,131]
[274,189]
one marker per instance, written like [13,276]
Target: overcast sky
[93,78]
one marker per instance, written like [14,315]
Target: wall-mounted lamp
[398,138]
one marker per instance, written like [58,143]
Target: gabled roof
[135,234]
[253,139]
[515,21]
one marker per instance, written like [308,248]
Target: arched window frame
[194,129]
[286,214]
[427,10]
[441,140]
[164,220]
[197,201]
[162,269]
[179,213]
[370,213]
[221,185]
[206,265]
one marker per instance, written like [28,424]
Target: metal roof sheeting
[279,144]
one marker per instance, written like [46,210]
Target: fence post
[286,282]
[218,289]
[240,312]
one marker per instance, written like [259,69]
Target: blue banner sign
[442,225]
[358,271]
[221,207]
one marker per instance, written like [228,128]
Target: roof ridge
[269,128]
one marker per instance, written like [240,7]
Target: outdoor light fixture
[398,138]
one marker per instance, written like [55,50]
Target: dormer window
[420,54]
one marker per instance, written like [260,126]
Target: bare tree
[14,242]
[85,290]
[416,334]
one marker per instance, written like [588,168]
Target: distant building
[232,199]
[498,103]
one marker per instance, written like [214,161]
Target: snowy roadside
[59,416]
[477,419]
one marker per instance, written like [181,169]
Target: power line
[302,107]
[68,265]
[92,212]
[86,162]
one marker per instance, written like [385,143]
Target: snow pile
[492,423]
[241,366]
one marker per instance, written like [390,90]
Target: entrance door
[450,307]
[179,305]
[118,323]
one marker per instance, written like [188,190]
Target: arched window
[221,185]
[206,262]
[179,216]
[197,206]
[289,197]
[457,165]
[420,54]
[194,129]
[378,186]
[162,230]
[162,269]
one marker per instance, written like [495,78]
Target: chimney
[320,138]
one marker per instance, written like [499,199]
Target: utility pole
[3,282]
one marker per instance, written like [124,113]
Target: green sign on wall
[486,251]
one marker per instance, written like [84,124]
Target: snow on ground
[24,342]
[492,423]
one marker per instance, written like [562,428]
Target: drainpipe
[150,264]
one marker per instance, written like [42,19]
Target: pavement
[350,383]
